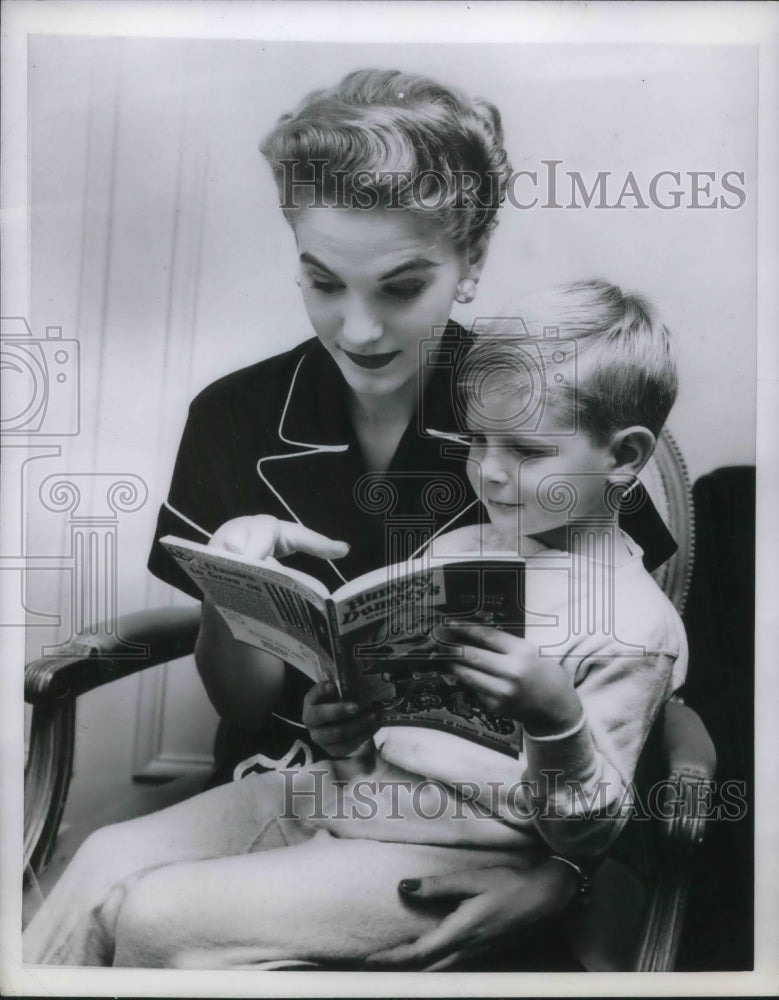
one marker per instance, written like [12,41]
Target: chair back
[667,482]
[605,934]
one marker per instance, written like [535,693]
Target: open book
[378,636]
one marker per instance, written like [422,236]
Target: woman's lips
[371,360]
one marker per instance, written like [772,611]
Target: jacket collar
[315,414]
[318,462]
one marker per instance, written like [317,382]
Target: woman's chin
[375,382]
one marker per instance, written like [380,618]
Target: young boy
[562,411]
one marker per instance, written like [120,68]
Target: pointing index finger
[293,537]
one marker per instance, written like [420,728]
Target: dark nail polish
[410,885]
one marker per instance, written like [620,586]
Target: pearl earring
[465,291]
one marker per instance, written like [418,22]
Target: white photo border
[528,23]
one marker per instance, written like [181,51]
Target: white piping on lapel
[309,449]
[455,439]
[318,449]
[186,520]
[445,436]
[441,530]
[300,444]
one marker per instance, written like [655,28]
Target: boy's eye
[517,448]
[405,291]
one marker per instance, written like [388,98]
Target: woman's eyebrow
[309,258]
[415,264]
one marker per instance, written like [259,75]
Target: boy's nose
[360,326]
[493,469]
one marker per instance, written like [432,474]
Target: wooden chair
[53,685]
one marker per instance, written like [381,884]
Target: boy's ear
[630,449]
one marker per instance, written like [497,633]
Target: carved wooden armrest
[692,764]
[52,684]
[151,637]
[683,809]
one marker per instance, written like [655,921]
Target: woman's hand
[493,903]
[340,727]
[261,536]
[513,680]
[254,687]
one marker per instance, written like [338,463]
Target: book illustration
[436,699]
[397,657]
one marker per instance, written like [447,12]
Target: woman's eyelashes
[404,291]
[325,287]
[400,291]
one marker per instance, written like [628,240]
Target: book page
[264,607]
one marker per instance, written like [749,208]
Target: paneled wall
[119,160]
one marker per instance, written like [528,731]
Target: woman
[391,184]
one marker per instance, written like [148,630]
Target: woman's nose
[360,324]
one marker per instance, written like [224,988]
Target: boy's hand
[512,680]
[262,536]
[340,727]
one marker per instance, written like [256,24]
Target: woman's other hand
[339,727]
[493,904]
[261,535]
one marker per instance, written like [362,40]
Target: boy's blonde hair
[600,355]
